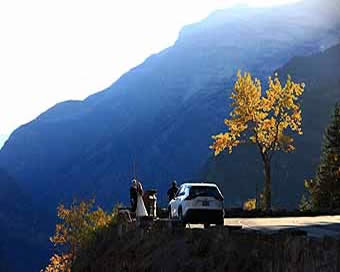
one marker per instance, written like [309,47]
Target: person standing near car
[172,191]
[133,195]
[140,210]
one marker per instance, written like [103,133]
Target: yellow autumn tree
[262,119]
[75,232]
[249,205]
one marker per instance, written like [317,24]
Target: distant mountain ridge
[163,112]
[3,139]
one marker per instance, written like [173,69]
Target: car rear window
[196,191]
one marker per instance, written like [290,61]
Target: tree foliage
[262,119]
[75,232]
[324,188]
[250,204]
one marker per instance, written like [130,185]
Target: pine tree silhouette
[325,187]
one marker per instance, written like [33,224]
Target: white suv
[198,203]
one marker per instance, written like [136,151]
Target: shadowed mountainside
[21,229]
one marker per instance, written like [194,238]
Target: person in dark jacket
[172,191]
[133,195]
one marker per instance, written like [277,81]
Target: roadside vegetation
[81,227]
[324,189]
[250,204]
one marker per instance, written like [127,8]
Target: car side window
[181,191]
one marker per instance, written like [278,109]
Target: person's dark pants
[133,205]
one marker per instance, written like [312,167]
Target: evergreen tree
[324,189]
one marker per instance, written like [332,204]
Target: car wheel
[180,216]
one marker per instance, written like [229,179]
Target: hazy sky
[52,51]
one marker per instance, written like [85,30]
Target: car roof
[199,184]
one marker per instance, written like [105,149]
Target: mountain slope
[238,173]
[162,113]
[21,229]
[3,139]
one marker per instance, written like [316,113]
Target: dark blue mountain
[162,113]
[23,235]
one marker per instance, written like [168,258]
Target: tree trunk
[267,186]
[331,199]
